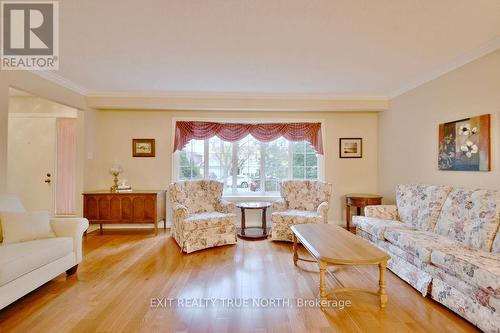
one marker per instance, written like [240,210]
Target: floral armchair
[201,218]
[303,201]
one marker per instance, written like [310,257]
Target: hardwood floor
[124,270]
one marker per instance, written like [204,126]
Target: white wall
[114,131]
[408,131]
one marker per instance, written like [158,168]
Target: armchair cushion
[282,221]
[208,220]
[384,212]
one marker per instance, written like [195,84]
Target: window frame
[255,195]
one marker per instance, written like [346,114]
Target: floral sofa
[303,201]
[201,219]
[444,242]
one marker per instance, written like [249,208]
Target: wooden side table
[360,201]
[253,232]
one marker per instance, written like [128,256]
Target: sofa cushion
[477,267]
[25,226]
[208,220]
[470,217]
[419,205]
[21,258]
[418,243]
[375,226]
[9,203]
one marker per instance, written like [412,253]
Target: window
[247,167]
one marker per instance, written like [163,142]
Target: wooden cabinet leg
[100,229]
[348,217]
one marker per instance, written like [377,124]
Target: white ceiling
[334,47]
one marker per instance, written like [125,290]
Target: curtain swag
[201,130]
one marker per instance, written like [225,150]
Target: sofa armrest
[180,211]
[224,206]
[323,209]
[384,212]
[280,205]
[73,227]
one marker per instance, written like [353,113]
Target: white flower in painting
[464,129]
[473,130]
[469,148]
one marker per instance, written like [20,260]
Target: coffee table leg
[295,255]
[381,291]
[322,288]
[264,222]
[243,221]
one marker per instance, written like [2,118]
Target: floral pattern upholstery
[201,218]
[481,316]
[384,212]
[303,201]
[376,226]
[470,217]
[478,268]
[420,205]
[458,261]
[419,243]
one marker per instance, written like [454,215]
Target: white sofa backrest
[471,217]
[419,205]
[9,203]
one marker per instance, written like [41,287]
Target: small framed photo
[143,147]
[350,147]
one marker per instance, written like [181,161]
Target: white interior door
[31,159]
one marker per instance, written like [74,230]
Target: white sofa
[444,242]
[26,266]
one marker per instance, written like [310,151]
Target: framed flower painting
[464,145]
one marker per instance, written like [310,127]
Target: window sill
[250,197]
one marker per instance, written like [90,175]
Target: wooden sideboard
[360,201]
[137,207]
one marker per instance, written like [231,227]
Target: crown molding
[62,81]
[237,102]
[460,61]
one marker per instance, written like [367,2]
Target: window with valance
[250,159]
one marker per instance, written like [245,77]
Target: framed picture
[464,145]
[143,147]
[350,147]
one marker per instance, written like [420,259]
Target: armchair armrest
[323,209]
[384,212]
[280,205]
[180,211]
[224,206]
[73,227]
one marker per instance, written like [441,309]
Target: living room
[252,166]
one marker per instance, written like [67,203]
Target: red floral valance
[201,130]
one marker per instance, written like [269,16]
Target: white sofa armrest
[73,227]
[384,212]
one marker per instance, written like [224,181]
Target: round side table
[253,232]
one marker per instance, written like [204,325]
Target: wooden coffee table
[333,245]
